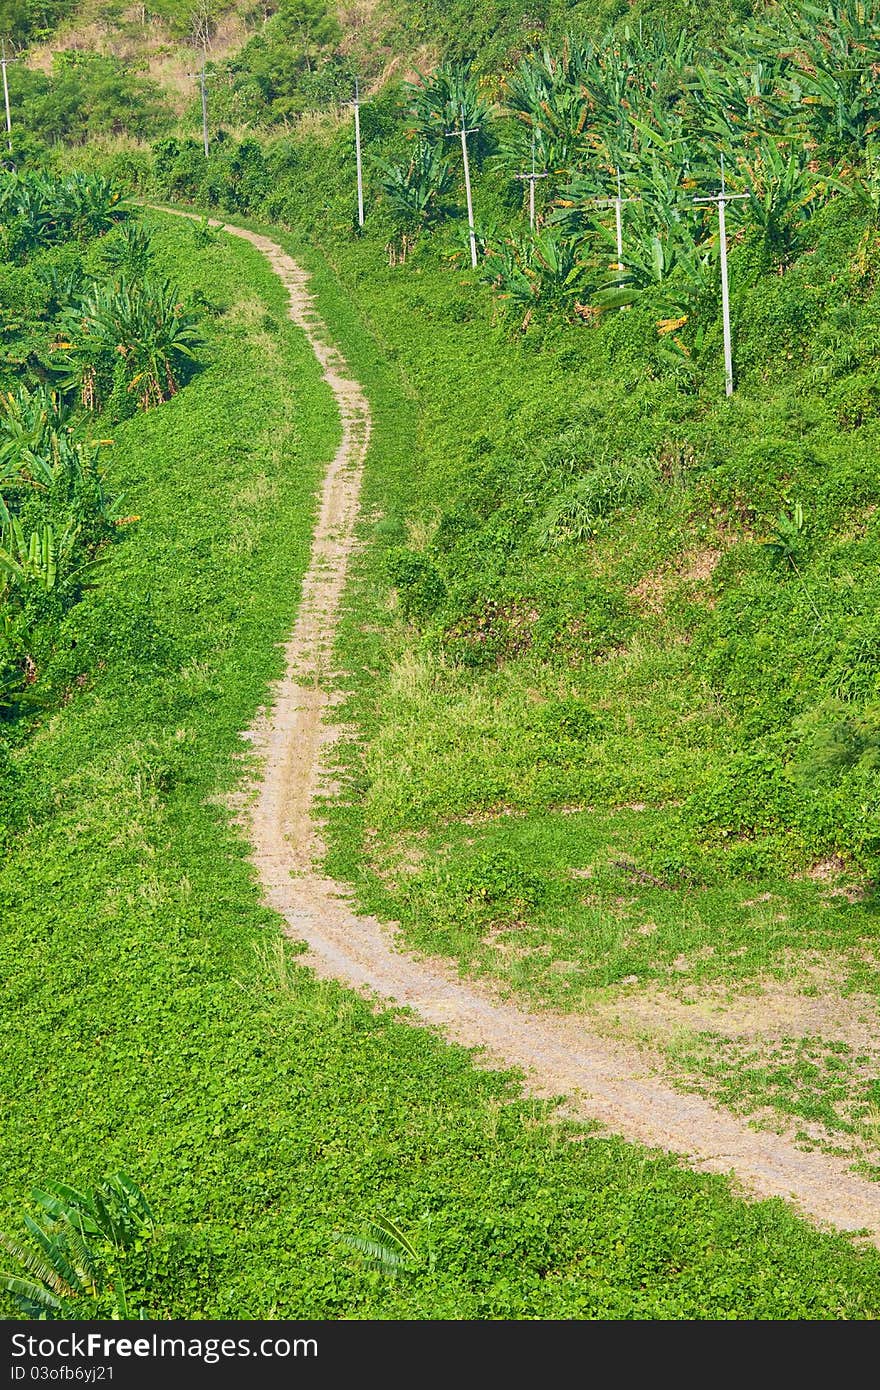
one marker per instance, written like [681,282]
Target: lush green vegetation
[76,1248]
[21,20]
[626,734]
[261,1112]
[613,669]
[86,95]
[85,324]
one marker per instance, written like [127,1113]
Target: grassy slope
[262,1111]
[582,818]
[162,45]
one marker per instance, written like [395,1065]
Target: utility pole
[357,147]
[721,200]
[531,179]
[464,131]
[618,222]
[203,76]
[4,62]
[204,103]
[618,203]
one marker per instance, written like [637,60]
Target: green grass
[626,761]
[806,1077]
[619,766]
[151,1020]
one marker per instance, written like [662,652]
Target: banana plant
[545,267]
[33,421]
[141,323]
[70,1263]
[666,261]
[559,266]
[439,103]
[782,192]
[507,268]
[548,97]
[29,560]
[417,192]
[831,53]
[43,560]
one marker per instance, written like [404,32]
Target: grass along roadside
[153,1019]
[525,817]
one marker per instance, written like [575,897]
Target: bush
[750,796]
[420,586]
[498,878]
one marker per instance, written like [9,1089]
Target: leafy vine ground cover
[537,816]
[639,763]
[153,1021]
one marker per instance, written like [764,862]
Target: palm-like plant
[831,53]
[561,270]
[90,205]
[142,324]
[549,97]
[128,253]
[32,421]
[507,268]
[782,191]
[388,1248]
[417,191]
[71,1262]
[667,261]
[39,210]
[441,102]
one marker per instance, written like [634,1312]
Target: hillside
[607,673]
[270,63]
[631,633]
[290,43]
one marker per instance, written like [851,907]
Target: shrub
[577,513]
[498,878]
[750,796]
[420,586]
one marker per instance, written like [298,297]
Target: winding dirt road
[559,1056]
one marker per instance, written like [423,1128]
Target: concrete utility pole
[202,77]
[531,179]
[618,221]
[721,199]
[4,62]
[204,105]
[464,131]
[618,203]
[357,148]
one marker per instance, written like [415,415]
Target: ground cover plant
[86,327]
[260,1113]
[625,735]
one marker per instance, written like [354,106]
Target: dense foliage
[22,20]
[85,95]
[86,327]
[262,1112]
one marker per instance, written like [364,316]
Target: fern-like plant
[69,1265]
[388,1248]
